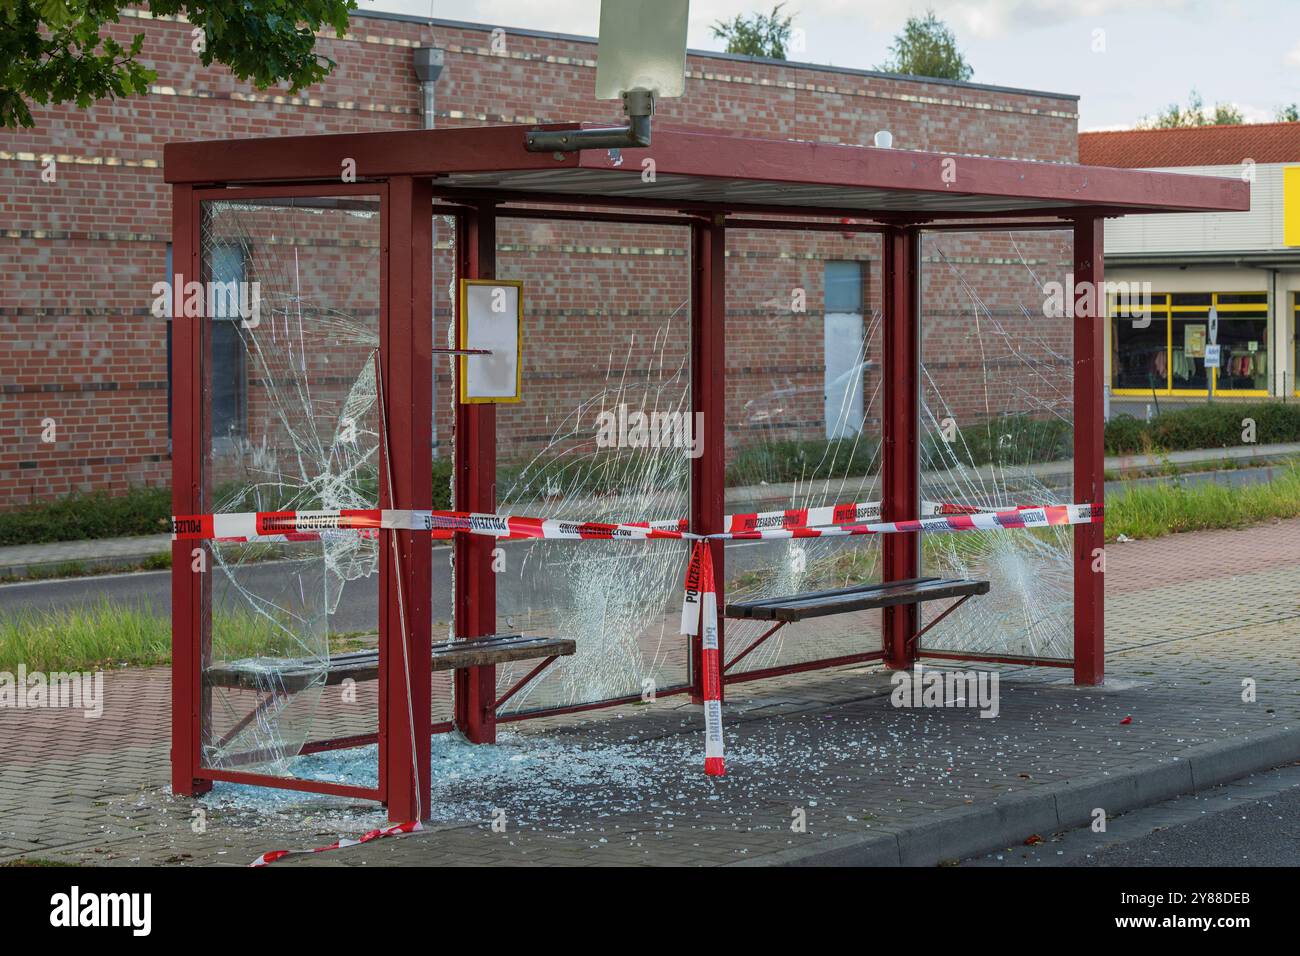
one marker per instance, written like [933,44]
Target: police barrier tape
[342,843]
[700,613]
[314,525]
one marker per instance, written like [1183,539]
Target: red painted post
[189,613]
[406,574]
[709,399]
[475,466]
[1089,450]
[900,439]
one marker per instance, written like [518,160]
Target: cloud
[998,18]
[1293,58]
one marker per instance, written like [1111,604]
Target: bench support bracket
[752,647]
[914,641]
[523,681]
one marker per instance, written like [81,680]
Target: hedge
[1204,426]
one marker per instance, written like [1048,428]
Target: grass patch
[28,861]
[111,635]
[1151,511]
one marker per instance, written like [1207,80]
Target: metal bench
[862,597]
[271,679]
[295,675]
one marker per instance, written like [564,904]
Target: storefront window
[1168,356]
[1295,343]
[1140,347]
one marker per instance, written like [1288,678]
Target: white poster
[491,317]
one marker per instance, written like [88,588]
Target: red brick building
[85,220]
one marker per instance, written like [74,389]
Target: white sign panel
[642,47]
[491,318]
[1212,356]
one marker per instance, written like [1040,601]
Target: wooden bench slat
[296,675]
[834,592]
[797,607]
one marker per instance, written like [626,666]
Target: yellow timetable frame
[462,334]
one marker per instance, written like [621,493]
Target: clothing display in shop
[1184,365]
[1243,364]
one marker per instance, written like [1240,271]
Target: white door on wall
[844,356]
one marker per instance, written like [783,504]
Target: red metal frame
[900,430]
[475,469]
[408,169]
[406,558]
[188,617]
[1063,188]
[709,399]
[1089,453]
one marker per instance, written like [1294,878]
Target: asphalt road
[1251,822]
[358,610]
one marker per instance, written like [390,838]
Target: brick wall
[79,256]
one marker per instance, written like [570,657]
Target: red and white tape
[829,521]
[342,843]
[700,616]
[1027,517]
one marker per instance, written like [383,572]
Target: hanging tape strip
[700,616]
[340,844]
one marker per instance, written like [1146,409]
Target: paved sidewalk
[23,560]
[1190,617]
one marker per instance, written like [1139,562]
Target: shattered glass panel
[291,423]
[997,424]
[603,433]
[803,430]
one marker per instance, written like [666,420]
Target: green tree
[757,34]
[1288,114]
[927,47]
[54,51]
[1176,117]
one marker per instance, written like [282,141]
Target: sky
[1126,59]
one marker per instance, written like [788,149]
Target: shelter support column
[1089,449]
[475,465]
[900,427]
[709,410]
[405,558]
[190,607]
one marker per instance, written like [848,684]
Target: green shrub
[84,516]
[1007,440]
[781,461]
[1126,435]
[1204,426]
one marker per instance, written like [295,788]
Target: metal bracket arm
[639,105]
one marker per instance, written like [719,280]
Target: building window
[229,378]
[844,348]
[1295,344]
[1167,355]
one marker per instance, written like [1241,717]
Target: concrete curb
[956,835]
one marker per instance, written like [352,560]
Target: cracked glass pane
[997,425]
[291,424]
